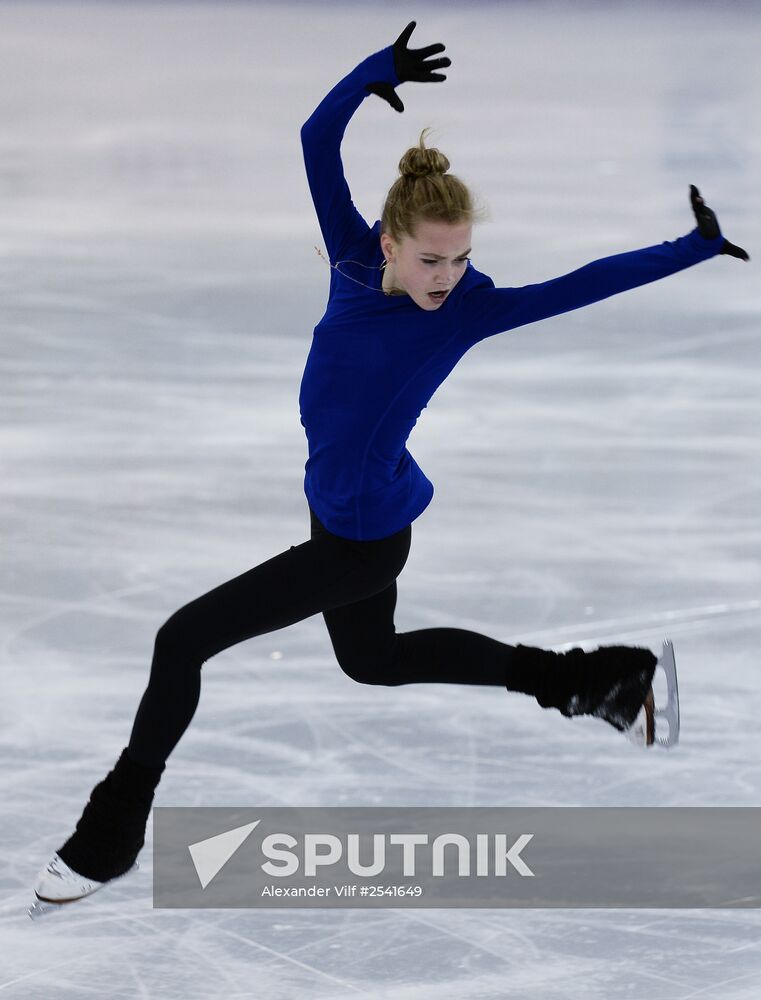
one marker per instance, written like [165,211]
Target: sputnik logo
[210,856]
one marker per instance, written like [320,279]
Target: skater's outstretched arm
[489,310]
[342,226]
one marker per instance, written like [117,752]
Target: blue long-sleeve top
[376,360]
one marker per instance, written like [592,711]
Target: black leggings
[353,584]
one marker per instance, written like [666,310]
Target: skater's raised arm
[342,226]
[490,310]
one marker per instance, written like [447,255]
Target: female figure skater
[405,305]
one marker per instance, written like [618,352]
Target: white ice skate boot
[107,840]
[57,884]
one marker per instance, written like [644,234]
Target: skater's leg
[611,682]
[302,581]
[371,651]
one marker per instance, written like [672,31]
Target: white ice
[597,475]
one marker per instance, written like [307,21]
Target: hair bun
[421,162]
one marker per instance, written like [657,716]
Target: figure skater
[405,304]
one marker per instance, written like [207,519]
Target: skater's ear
[387,246]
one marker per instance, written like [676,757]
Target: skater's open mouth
[439,296]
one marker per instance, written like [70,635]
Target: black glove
[708,226]
[409,65]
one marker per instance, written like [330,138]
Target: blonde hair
[425,192]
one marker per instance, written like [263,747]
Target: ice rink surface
[597,474]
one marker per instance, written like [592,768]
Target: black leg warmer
[611,682]
[111,830]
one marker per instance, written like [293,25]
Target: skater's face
[434,259]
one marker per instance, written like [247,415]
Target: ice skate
[107,840]
[612,683]
[646,730]
[57,885]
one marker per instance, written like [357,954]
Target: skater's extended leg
[611,682]
[302,581]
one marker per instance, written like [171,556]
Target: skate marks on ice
[104,601]
[277,955]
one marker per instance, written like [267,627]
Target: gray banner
[461,857]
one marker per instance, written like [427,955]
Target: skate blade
[670,712]
[45,904]
[42,906]
[646,729]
